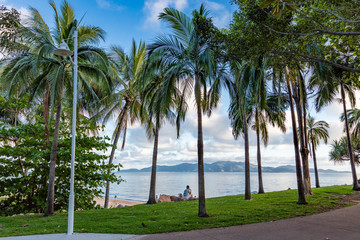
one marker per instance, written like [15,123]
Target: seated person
[187,192]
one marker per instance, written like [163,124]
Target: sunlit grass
[181,216]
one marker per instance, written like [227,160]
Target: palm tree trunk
[300,184]
[352,163]
[117,135]
[261,186]
[304,148]
[53,154]
[152,199]
[247,160]
[46,101]
[305,162]
[200,147]
[315,165]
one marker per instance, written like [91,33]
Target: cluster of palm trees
[154,83]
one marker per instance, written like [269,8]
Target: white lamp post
[64,50]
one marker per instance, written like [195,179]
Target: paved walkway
[339,224]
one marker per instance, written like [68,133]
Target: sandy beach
[116,202]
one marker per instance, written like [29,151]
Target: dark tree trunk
[247,160]
[305,150]
[315,165]
[152,199]
[352,163]
[300,184]
[305,162]
[200,146]
[53,154]
[46,117]
[117,135]
[261,186]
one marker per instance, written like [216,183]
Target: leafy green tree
[124,102]
[187,49]
[329,24]
[9,31]
[24,166]
[317,130]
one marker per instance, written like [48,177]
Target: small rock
[120,206]
[164,198]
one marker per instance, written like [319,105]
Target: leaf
[266,3]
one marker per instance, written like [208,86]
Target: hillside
[222,166]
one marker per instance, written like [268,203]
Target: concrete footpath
[340,224]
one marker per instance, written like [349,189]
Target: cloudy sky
[137,19]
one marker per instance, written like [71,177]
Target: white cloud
[180,4]
[153,8]
[221,15]
[103,3]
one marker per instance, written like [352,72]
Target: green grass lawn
[181,216]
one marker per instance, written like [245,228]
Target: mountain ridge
[224,166]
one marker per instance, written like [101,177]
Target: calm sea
[136,187]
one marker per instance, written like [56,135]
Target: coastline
[113,203]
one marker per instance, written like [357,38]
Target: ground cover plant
[181,216]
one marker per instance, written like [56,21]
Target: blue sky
[126,20]
[137,19]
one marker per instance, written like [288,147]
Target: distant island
[224,166]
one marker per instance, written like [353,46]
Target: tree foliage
[24,166]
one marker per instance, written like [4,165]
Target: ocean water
[136,187]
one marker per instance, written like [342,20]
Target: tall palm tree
[124,103]
[161,98]
[264,108]
[53,74]
[316,130]
[289,77]
[300,98]
[238,110]
[330,81]
[187,50]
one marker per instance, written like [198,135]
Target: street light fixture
[64,51]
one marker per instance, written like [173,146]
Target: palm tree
[289,77]
[124,102]
[339,150]
[161,97]
[353,120]
[187,50]
[316,130]
[263,108]
[239,107]
[300,98]
[53,74]
[329,81]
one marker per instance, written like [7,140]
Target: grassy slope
[181,216]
